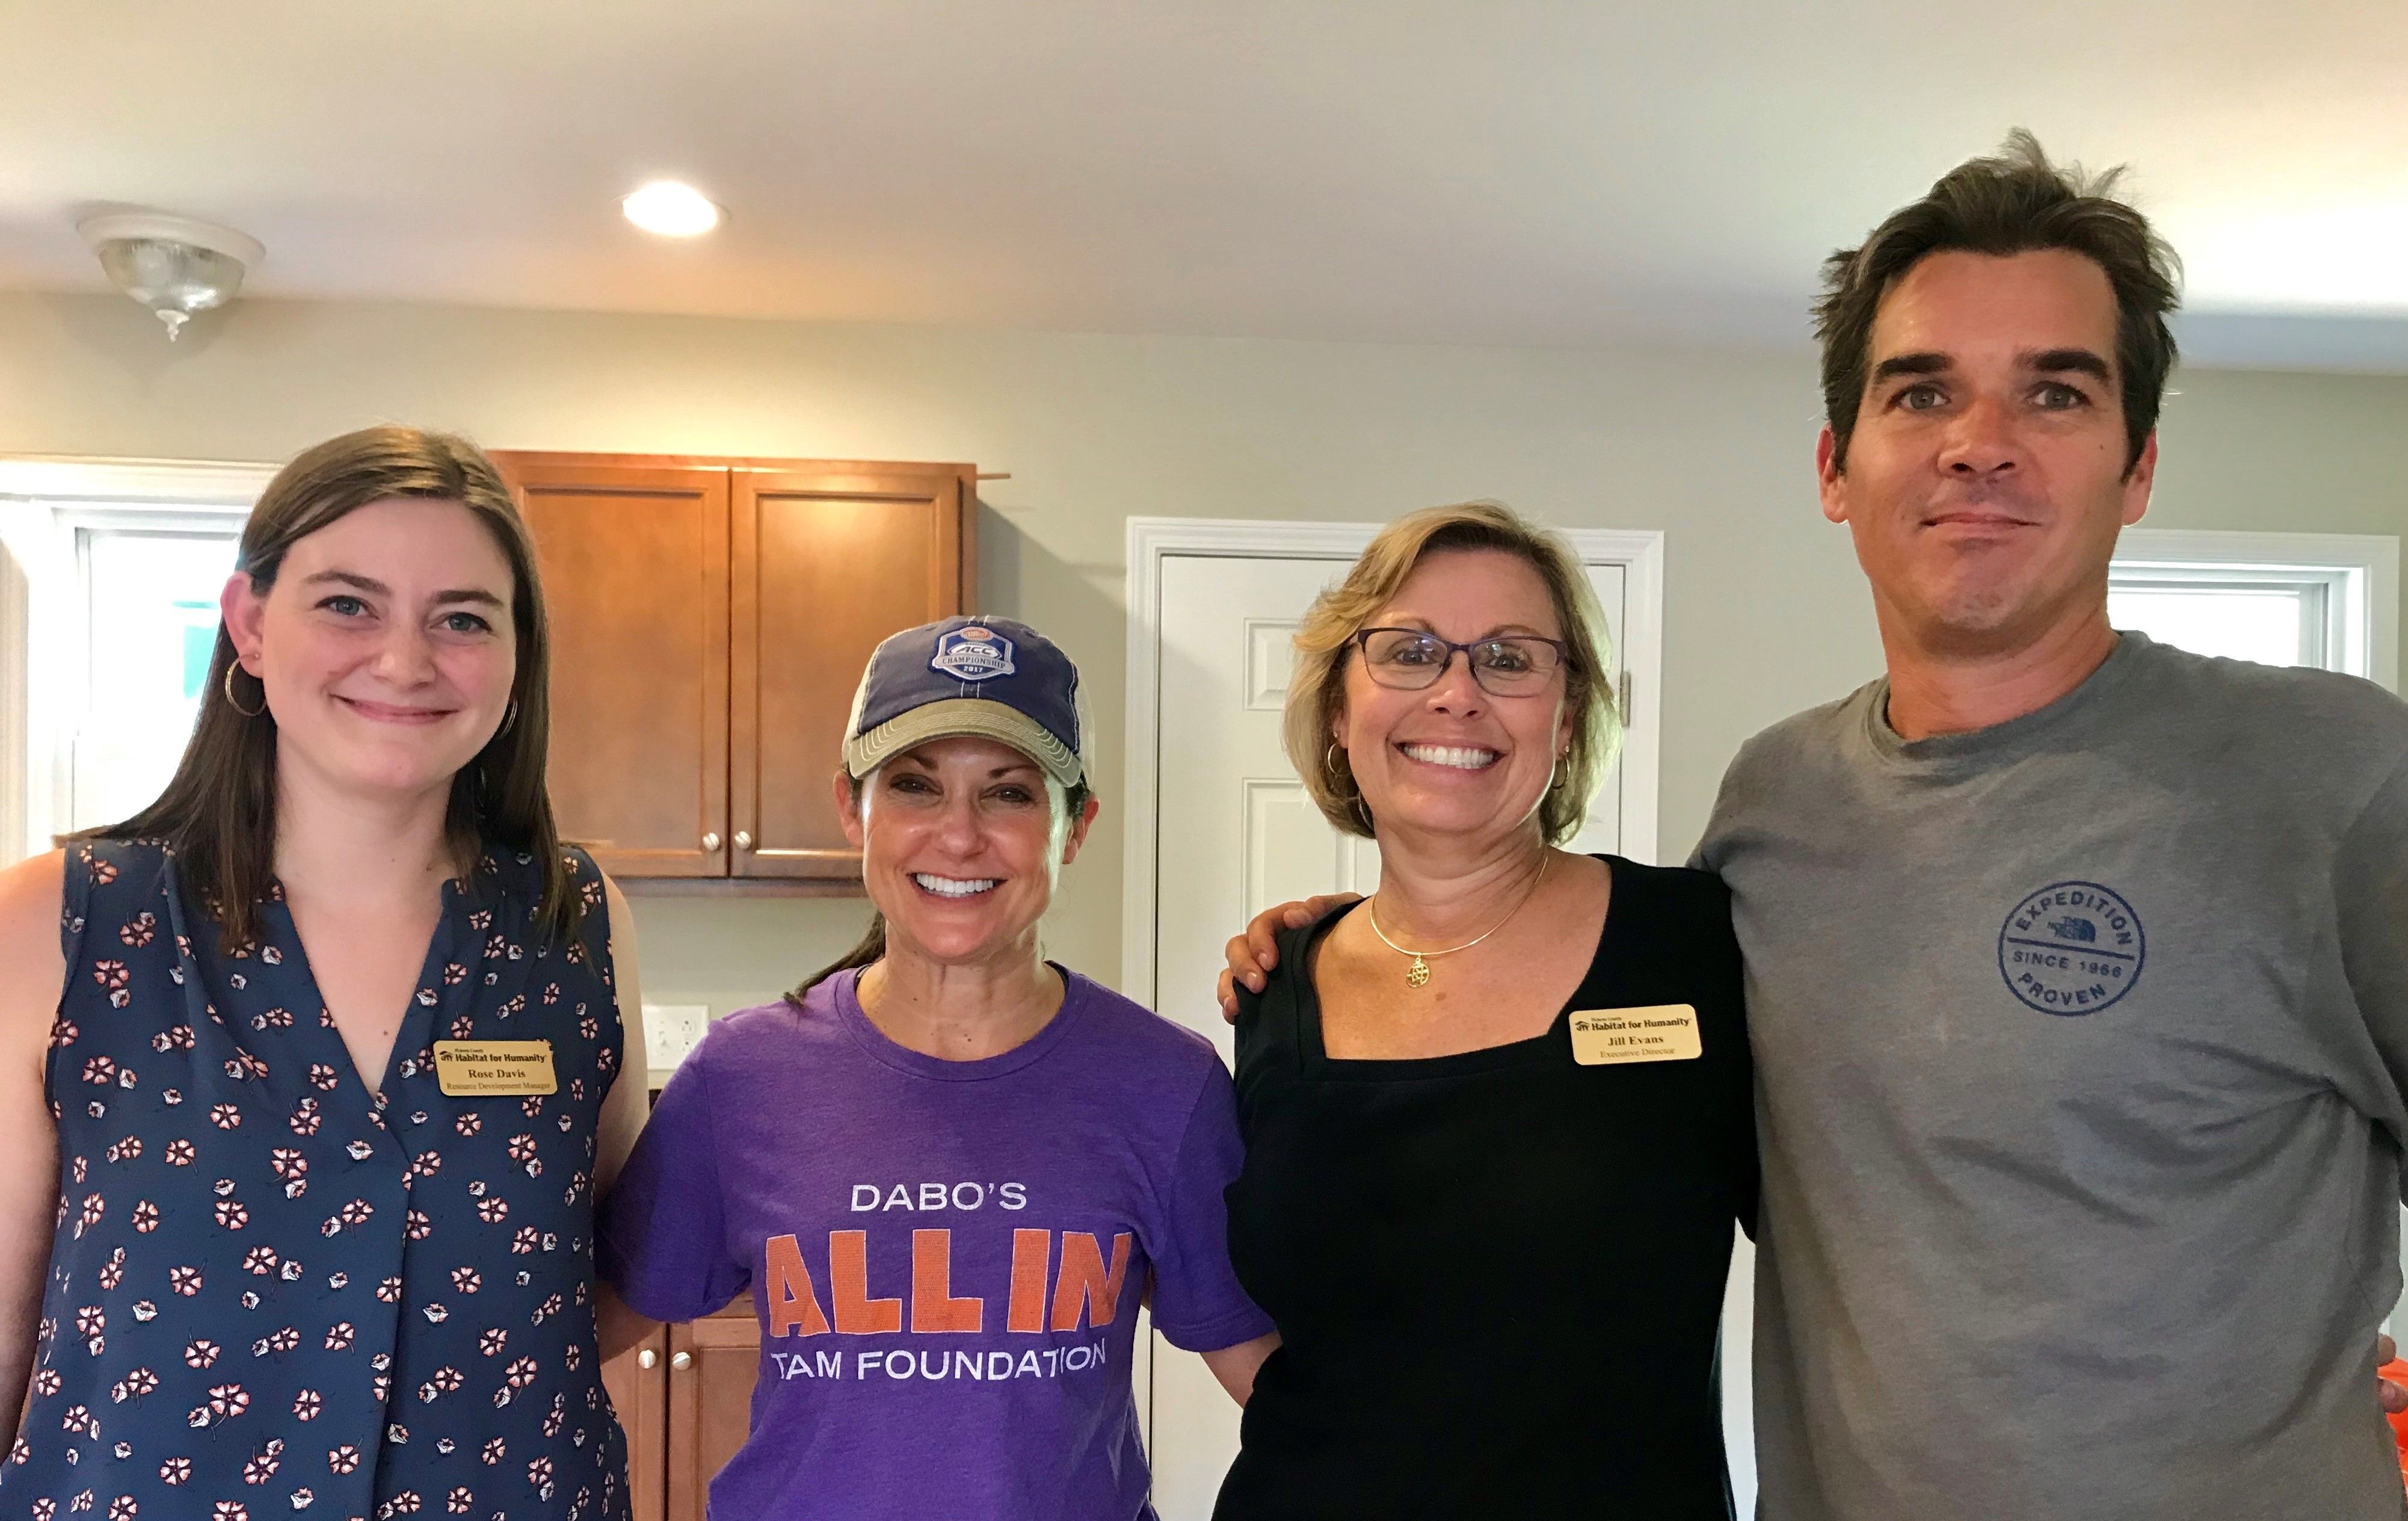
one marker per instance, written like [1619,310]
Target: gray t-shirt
[2081,1045]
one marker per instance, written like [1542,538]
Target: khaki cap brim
[977,718]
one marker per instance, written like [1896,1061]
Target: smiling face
[385,646]
[1449,759]
[1986,480]
[962,840]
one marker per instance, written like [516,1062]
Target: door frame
[1640,552]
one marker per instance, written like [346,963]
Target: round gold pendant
[1418,973]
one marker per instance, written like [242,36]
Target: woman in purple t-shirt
[947,1170]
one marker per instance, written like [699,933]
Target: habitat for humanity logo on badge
[2072,948]
[972,653]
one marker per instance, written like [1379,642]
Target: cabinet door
[637,1381]
[713,1363]
[826,563]
[634,560]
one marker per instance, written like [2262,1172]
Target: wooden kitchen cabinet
[824,563]
[687,1410]
[637,1383]
[634,561]
[709,621]
[713,1364]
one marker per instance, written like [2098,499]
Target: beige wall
[1764,610]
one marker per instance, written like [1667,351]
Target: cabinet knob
[710,844]
[647,1359]
[743,840]
[681,1360]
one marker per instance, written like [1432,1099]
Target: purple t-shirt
[947,1257]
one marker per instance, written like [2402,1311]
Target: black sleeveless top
[272,1294]
[1498,1275]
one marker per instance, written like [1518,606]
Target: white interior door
[1235,833]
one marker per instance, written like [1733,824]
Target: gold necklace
[1418,973]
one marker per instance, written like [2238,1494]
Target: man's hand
[1255,952]
[2390,1389]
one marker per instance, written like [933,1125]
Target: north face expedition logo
[2072,948]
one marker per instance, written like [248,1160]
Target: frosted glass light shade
[174,266]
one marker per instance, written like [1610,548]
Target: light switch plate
[671,1032]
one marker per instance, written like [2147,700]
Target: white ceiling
[1482,171]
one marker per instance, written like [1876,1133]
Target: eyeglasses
[1409,659]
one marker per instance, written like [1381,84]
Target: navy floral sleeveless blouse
[271,1294]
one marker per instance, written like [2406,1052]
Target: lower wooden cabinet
[712,1366]
[684,1397]
[639,1390]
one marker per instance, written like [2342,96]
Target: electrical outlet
[671,1030]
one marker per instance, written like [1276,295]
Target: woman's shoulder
[1680,911]
[36,925]
[769,1044]
[579,864]
[1668,940]
[1680,889]
[107,860]
[1295,946]
[1123,1023]
[32,889]
[747,1035]
[515,877]
[518,870]
[33,910]
[1266,1026]
[106,878]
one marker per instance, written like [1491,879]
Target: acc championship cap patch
[974,653]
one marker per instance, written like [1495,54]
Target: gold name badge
[467,1068]
[1664,1032]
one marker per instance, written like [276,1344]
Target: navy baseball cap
[988,678]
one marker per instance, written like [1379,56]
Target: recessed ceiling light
[671,209]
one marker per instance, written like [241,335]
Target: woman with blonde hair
[311,1068]
[1497,1116]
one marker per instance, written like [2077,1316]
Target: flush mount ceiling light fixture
[671,209]
[172,265]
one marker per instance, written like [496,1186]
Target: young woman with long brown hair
[310,1066]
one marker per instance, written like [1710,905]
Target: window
[148,601]
[109,576]
[2328,601]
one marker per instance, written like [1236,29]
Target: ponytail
[872,948]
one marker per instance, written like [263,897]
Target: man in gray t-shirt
[2077,965]
[2080,1045]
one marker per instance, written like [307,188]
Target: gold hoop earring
[1359,810]
[248,713]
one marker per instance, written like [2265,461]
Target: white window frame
[2358,573]
[45,505]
